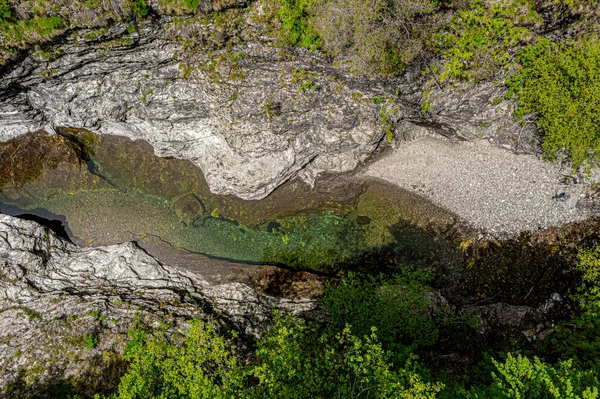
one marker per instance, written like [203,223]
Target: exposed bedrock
[250,124]
[57,299]
[249,134]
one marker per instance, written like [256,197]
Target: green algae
[25,158]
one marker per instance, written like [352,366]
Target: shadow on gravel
[522,271]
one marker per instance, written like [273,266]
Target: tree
[520,378]
[194,364]
[560,84]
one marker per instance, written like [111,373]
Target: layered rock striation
[66,310]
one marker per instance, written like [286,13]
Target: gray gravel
[492,189]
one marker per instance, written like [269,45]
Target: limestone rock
[248,133]
[62,308]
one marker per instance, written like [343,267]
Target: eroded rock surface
[249,132]
[71,308]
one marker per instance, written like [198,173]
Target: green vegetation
[560,84]
[520,377]
[370,347]
[179,6]
[40,21]
[396,307]
[90,342]
[482,39]
[474,40]
[385,337]
[292,20]
[556,84]
[291,360]
[139,8]
[5,12]
[373,37]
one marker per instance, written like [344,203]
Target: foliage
[292,361]
[579,338]
[296,363]
[560,84]
[191,4]
[293,27]
[139,8]
[5,12]
[194,364]
[373,36]
[483,38]
[520,378]
[396,307]
[179,6]
[90,342]
[43,20]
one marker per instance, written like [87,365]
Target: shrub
[196,364]
[295,362]
[179,6]
[139,8]
[291,360]
[578,338]
[373,36]
[560,84]
[483,38]
[5,12]
[520,378]
[292,20]
[396,307]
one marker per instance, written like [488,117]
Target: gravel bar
[491,188]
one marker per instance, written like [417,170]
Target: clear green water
[99,216]
[124,192]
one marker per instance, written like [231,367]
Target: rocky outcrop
[250,124]
[65,311]
[249,117]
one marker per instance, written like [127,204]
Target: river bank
[494,190]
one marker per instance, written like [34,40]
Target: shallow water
[110,189]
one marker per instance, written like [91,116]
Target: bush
[373,36]
[520,378]
[139,8]
[291,361]
[396,307]
[292,19]
[297,363]
[578,338]
[5,12]
[196,364]
[482,39]
[560,84]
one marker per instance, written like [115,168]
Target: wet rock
[363,220]
[189,208]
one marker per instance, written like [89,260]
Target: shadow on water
[112,189]
[55,223]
